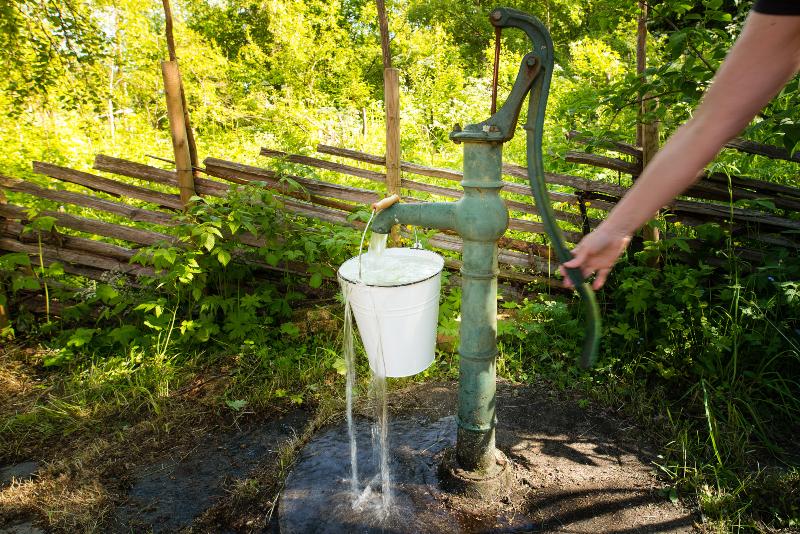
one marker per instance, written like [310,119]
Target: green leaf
[683,245]
[24,282]
[197,292]
[123,335]
[210,242]
[106,293]
[223,256]
[316,280]
[55,269]
[290,329]
[81,337]
[15,259]
[340,365]
[44,223]
[236,405]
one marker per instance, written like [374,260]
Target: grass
[90,420]
[719,440]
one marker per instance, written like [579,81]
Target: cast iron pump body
[480,217]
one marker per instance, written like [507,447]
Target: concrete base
[490,486]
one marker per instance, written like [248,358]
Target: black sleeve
[777,7]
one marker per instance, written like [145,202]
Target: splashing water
[376,495]
[349,356]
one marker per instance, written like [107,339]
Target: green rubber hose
[593,323]
[543,48]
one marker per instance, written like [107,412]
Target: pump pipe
[480,217]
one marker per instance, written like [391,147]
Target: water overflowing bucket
[396,315]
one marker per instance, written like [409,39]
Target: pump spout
[440,215]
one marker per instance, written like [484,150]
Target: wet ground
[574,472]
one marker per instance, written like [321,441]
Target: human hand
[596,253]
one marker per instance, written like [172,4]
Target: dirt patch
[150,479]
[171,492]
[197,467]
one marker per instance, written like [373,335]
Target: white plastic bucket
[397,323]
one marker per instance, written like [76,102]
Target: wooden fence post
[647,131]
[391,97]
[391,80]
[177,126]
[4,312]
[174,57]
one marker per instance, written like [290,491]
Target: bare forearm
[673,170]
[765,57]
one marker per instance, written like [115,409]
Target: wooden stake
[391,80]
[391,97]
[177,126]
[641,61]
[174,57]
[646,131]
[383,24]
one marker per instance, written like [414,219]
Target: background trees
[83,77]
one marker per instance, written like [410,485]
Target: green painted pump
[480,217]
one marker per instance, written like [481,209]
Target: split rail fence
[145,200]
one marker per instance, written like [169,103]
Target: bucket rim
[340,276]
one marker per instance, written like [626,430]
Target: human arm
[765,56]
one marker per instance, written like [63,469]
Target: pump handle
[385,203]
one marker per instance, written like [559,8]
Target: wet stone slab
[18,472]
[318,496]
[573,472]
[21,528]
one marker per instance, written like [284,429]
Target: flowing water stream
[376,494]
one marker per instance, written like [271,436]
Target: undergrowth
[703,350]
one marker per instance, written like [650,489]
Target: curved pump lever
[534,126]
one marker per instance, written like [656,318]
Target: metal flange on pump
[480,217]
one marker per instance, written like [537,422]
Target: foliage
[41,43]
[712,344]
[207,286]
[706,348]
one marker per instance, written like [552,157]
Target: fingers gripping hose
[543,48]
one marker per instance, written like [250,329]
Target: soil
[169,494]
[200,471]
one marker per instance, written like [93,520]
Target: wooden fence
[100,245]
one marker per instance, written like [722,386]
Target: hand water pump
[480,217]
